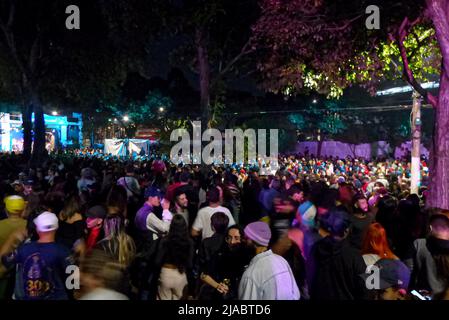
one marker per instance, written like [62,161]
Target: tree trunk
[320,146]
[39,151]
[439,173]
[204,74]
[27,128]
[320,143]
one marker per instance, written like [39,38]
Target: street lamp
[55,113]
[126,118]
[161,109]
[314,101]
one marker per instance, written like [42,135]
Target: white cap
[46,221]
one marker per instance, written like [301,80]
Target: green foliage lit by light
[143,112]
[383,61]
[297,120]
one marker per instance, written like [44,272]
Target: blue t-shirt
[41,271]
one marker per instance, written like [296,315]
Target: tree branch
[343,27]
[10,41]
[437,11]
[35,51]
[12,13]
[419,44]
[408,74]
[244,51]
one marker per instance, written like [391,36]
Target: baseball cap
[14,204]
[392,273]
[16,183]
[28,182]
[153,192]
[96,212]
[46,221]
[336,222]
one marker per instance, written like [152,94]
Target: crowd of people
[148,229]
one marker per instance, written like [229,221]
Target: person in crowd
[14,205]
[235,258]
[116,242]
[268,276]
[291,247]
[427,251]
[282,216]
[209,257]
[71,224]
[305,215]
[410,225]
[296,193]
[202,225]
[184,179]
[99,276]
[94,224]
[175,257]
[442,267]
[230,183]
[360,221]
[336,264]
[18,187]
[386,215]
[375,245]
[270,190]
[87,179]
[180,204]
[392,283]
[40,265]
[302,196]
[130,183]
[117,201]
[148,219]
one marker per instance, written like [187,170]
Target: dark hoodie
[337,269]
[424,270]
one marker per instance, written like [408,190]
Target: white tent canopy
[122,147]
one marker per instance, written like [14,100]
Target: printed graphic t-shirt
[41,271]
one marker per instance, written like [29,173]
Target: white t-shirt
[202,221]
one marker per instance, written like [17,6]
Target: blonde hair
[123,247]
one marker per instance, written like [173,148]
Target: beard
[250,249]
[235,247]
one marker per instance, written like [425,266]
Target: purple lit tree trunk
[438,11]
[439,174]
